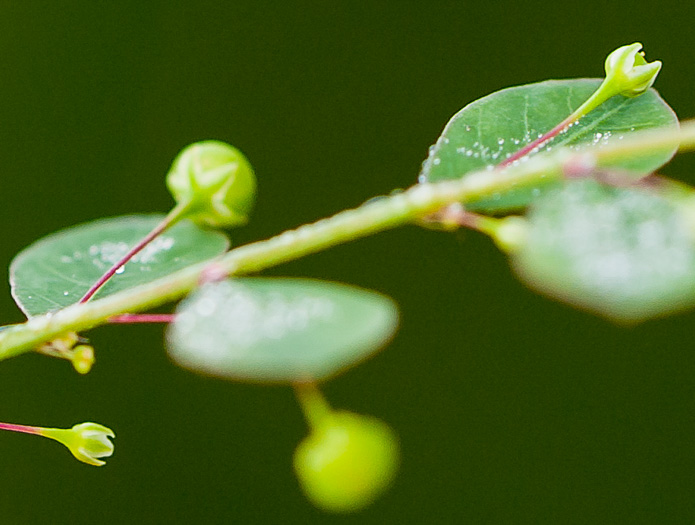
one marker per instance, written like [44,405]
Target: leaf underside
[627,254]
[57,270]
[487,131]
[279,330]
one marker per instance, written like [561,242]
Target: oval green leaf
[492,128]
[279,330]
[627,254]
[57,270]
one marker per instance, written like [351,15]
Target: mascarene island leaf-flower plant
[560,174]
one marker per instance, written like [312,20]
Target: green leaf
[57,270]
[489,130]
[627,254]
[279,330]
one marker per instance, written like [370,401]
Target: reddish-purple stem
[538,142]
[131,253]
[141,318]
[20,428]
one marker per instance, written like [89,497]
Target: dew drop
[120,270]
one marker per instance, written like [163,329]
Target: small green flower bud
[87,441]
[347,461]
[630,73]
[216,180]
[82,358]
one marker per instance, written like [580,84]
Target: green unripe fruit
[347,461]
[216,180]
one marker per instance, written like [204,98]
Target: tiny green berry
[215,182]
[347,461]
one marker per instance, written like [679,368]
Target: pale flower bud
[628,72]
[87,441]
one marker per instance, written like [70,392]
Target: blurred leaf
[279,330]
[627,254]
[492,128]
[57,270]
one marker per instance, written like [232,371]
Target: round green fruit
[215,181]
[347,461]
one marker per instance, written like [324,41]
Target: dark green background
[510,408]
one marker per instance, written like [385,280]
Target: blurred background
[510,408]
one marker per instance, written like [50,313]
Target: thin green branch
[370,218]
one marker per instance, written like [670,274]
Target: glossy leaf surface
[487,131]
[57,270]
[627,254]
[279,330]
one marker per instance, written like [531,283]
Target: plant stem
[375,216]
[539,142]
[141,318]
[604,92]
[174,215]
[313,404]
[457,217]
[21,428]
